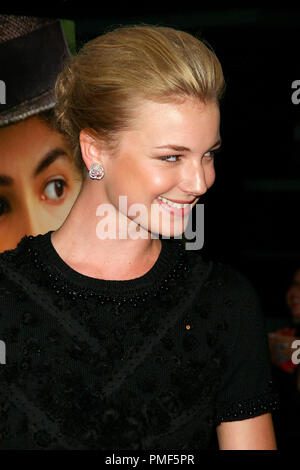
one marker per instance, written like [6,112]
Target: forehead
[174,107]
[24,144]
[175,119]
[29,135]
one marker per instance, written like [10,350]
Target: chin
[157,225]
[174,230]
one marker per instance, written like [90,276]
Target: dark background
[252,211]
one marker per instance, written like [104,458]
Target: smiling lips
[180,208]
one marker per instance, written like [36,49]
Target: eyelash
[164,158]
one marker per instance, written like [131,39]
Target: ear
[90,148]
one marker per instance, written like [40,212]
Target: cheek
[141,181]
[161,182]
[122,177]
[210,175]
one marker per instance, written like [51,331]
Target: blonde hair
[99,87]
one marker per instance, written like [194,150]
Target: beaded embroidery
[70,291]
[249,408]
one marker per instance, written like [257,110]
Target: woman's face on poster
[38,181]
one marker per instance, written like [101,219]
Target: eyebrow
[180,148]
[49,158]
[46,161]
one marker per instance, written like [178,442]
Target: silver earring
[96,171]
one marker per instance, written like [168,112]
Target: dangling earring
[96,171]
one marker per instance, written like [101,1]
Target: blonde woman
[124,338]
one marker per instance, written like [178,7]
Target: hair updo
[99,87]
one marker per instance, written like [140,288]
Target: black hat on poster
[32,54]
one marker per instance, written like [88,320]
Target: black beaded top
[155,362]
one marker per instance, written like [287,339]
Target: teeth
[173,204]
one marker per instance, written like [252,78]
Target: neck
[78,241]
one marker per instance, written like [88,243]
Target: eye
[55,189]
[212,153]
[4,206]
[166,158]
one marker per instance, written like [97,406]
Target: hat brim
[28,108]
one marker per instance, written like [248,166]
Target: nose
[197,178]
[31,219]
[23,222]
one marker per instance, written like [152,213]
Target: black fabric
[155,362]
